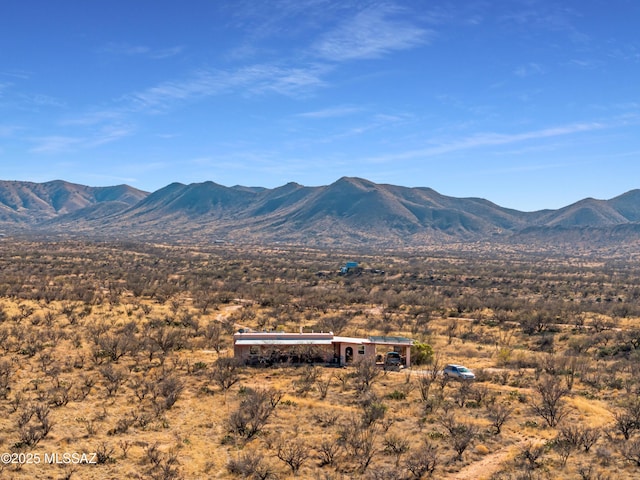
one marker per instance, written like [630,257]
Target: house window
[361,349]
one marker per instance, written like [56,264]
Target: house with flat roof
[268,348]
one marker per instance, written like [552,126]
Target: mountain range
[349,212]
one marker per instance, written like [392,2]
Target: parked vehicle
[458,372]
[393,361]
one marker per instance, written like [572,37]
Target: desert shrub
[250,465]
[421,353]
[531,455]
[460,434]
[373,410]
[168,391]
[294,452]
[397,395]
[328,451]
[422,460]
[104,453]
[627,418]
[253,412]
[499,413]
[630,451]
[396,445]
[226,372]
[365,373]
[359,441]
[6,372]
[113,378]
[550,403]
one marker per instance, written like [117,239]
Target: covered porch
[268,348]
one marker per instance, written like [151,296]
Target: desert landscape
[319,239]
[116,361]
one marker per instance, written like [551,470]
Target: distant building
[268,348]
[349,267]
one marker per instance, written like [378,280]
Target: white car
[458,372]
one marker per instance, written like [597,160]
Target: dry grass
[50,346]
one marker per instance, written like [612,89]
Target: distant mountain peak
[349,211]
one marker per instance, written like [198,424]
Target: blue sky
[528,103]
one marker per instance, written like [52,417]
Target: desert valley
[117,351]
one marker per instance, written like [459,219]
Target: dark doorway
[348,354]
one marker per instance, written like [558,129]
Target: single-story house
[280,347]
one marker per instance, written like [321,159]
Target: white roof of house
[283,341]
[350,340]
[281,338]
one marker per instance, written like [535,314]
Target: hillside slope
[350,211]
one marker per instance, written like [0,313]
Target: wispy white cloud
[117,121]
[167,136]
[126,49]
[490,139]
[283,18]
[142,50]
[365,124]
[26,101]
[8,130]
[159,96]
[94,117]
[54,144]
[40,100]
[19,74]
[288,81]
[108,134]
[254,79]
[4,86]
[626,52]
[372,33]
[331,112]
[166,52]
[586,63]
[546,16]
[529,70]
[538,167]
